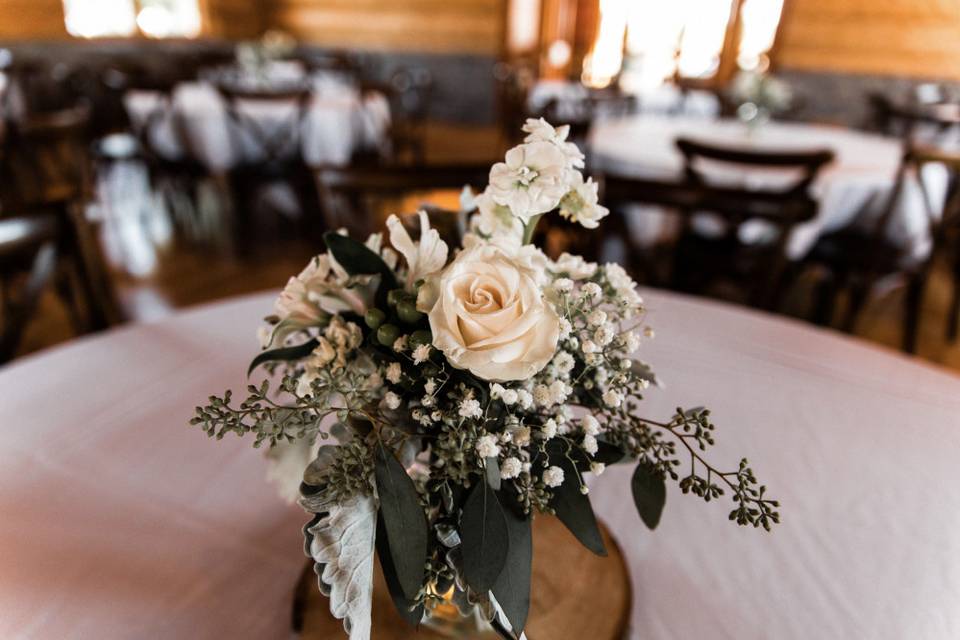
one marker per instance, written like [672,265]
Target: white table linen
[338,121]
[119,521]
[854,189]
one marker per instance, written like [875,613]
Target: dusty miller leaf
[343,545]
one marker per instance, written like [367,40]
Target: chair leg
[953,319]
[858,296]
[825,300]
[911,309]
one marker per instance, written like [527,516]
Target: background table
[119,521]
[338,121]
[855,188]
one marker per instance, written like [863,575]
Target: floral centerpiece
[434,400]
[759,96]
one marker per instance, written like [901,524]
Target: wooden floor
[181,275]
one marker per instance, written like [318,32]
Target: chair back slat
[346,193]
[278,139]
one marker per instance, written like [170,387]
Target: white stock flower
[553,477]
[495,220]
[597,468]
[510,468]
[531,180]
[574,266]
[542,131]
[487,446]
[488,315]
[424,258]
[581,204]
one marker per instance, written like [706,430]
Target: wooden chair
[904,121]
[276,151]
[45,169]
[855,260]
[28,252]
[699,262]
[350,196]
[581,114]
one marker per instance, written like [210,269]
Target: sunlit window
[152,18]
[651,41]
[758,29]
[100,18]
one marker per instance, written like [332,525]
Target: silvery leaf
[342,546]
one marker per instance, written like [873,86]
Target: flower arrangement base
[574,594]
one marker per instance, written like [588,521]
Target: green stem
[529,228]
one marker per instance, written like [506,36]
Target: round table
[337,122]
[120,521]
[855,188]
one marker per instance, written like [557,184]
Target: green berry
[387,334]
[421,336]
[395,296]
[408,313]
[374,318]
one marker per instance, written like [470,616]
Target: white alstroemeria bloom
[542,131]
[582,204]
[424,258]
[494,220]
[532,180]
[323,288]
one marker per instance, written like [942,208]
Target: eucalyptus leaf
[574,510]
[404,520]
[649,494]
[297,352]
[512,587]
[486,541]
[405,607]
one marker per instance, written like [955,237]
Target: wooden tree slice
[575,594]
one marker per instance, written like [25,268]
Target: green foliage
[485,538]
[284,354]
[404,521]
[512,587]
[573,508]
[649,493]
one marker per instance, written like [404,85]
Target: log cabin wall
[835,52]
[457,41]
[32,20]
[912,38]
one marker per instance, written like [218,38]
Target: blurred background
[796,156]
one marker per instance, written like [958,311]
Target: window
[151,18]
[650,41]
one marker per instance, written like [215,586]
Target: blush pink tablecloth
[119,521]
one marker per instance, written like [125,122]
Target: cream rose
[488,315]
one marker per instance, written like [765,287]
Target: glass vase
[446,617]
